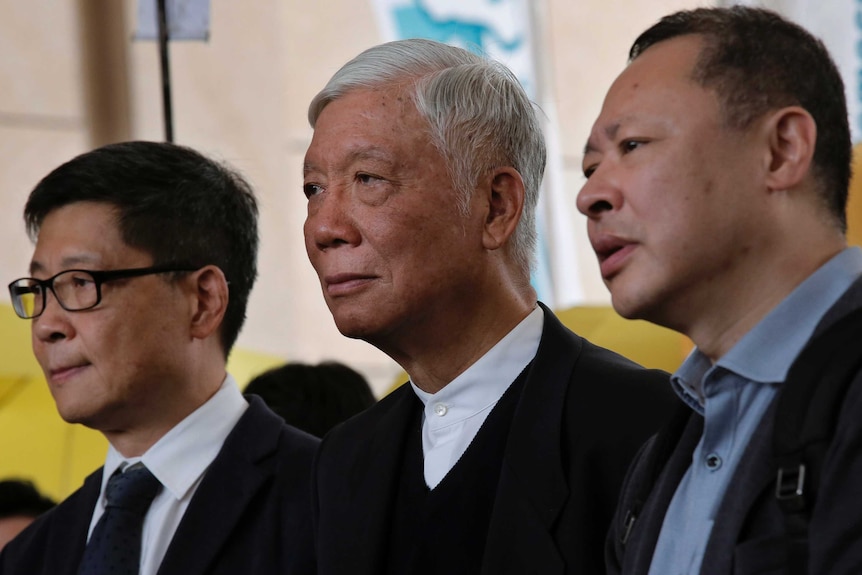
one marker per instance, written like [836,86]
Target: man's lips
[345,283]
[63,373]
[612,252]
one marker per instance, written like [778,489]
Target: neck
[145,424]
[737,305]
[438,352]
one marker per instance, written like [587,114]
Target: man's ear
[792,135]
[506,203]
[209,298]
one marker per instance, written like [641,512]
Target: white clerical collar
[482,384]
[453,416]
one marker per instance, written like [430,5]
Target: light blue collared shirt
[732,395]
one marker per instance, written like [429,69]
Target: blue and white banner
[503,30]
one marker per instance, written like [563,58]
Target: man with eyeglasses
[145,256]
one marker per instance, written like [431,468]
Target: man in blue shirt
[718,173]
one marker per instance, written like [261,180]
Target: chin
[660,313]
[76,411]
[630,307]
[372,333]
[353,334]
[354,328]
[620,301]
[71,415]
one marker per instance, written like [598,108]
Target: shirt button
[713,461]
[440,409]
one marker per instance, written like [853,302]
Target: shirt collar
[484,383]
[182,455]
[766,352]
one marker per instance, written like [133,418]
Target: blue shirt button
[713,461]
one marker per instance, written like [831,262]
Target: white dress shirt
[453,416]
[178,460]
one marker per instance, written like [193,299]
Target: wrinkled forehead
[401,84]
[385,113]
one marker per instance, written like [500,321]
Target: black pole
[166,72]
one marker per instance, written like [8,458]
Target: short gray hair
[479,116]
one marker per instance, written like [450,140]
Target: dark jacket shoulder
[250,513]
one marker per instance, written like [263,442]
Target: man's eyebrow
[610,133]
[360,153]
[67,263]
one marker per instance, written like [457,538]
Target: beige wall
[71,79]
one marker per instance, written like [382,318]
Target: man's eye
[80,280]
[311,190]
[588,171]
[630,145]
[366,178]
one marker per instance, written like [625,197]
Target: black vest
[443,530]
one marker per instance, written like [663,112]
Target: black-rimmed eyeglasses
[75,290]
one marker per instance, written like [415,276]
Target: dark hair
[174,203]
[313,398]
[19,498]
[757,61]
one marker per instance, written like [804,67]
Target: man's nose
[53,323]
[330,221]
[599,194]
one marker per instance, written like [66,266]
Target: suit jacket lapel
[532,488]
[648,526]
[68,539]
[754,474]
[851,300]
[376,473]
[239,470]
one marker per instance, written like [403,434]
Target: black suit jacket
[250,514]
[749,535]
[583,412]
